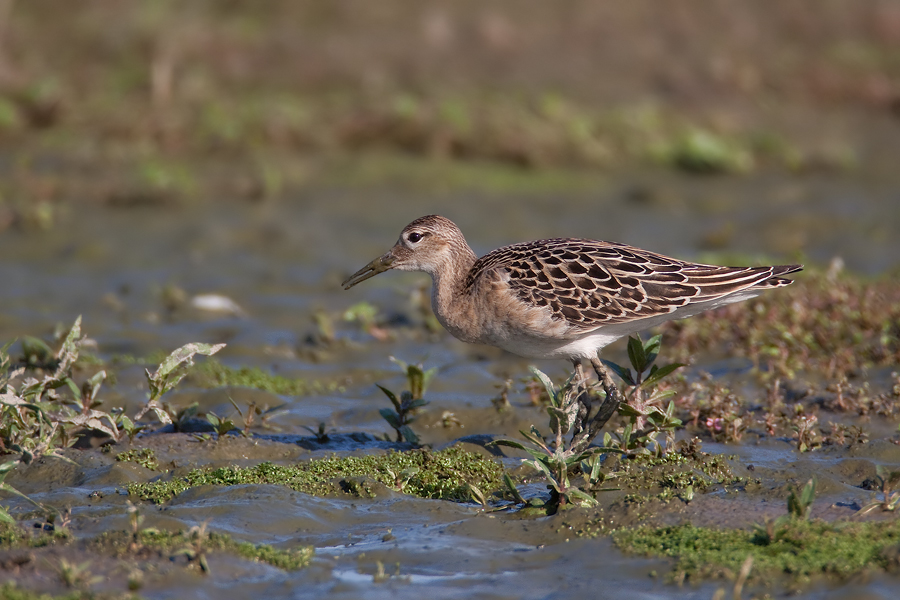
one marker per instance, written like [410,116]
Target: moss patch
[444,475]
[122,544]
[213,374]
[801,550]
[146,457]
[672,476]
[13,536]
[9,591]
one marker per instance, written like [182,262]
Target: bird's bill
[379,265]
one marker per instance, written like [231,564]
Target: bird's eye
[414,237]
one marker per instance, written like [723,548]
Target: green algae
[9,591]
[139,550]
[213,374]
[800,551]
[122,544]
[146,457]
[14,536]
[447,475]
[672,476]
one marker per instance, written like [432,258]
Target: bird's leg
[591,429]
[613,396]
[584,399]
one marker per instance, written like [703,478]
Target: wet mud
[134,274]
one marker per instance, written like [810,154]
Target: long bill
[379,265]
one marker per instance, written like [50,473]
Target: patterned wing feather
[590,283]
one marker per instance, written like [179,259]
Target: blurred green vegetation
[213,98]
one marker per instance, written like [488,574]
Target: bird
[562,298]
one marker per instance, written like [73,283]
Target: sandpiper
[561,298]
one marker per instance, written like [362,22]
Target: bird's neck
[448,297]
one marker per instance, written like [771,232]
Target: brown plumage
[560,298]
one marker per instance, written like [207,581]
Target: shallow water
[281,261]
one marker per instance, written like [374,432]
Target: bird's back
[590,284]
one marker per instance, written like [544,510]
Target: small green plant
[125,425]
[555,461]
[888,481]
[171,371]
[40,416]
[77,576]
[135,520]
[410,400]
[501,400]
[366,314]
[805,430]
[249,416]
[570,407]
[799,507]
[593,476]
[222,425]
[643,401]
[31,423]
[402,478]
[195,549]
[320,433]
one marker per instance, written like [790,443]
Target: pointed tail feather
[776,280]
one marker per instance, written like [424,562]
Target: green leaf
[548,384]
[539,465]
[636,354]
[126,424]
[623,373]
[11,490]
[651,348]
[416,404]
[659,395]
[409,472]
[591,460]
[626,435]
[510,443]
[427,376]
[185,354]
[391,417]
[535,437]
[72,386]
[391,396]
[539,456]
[409,435]
[511,486]
[476,494]
[809,492]
[583,498]
[5,517]
[629,411]
[94,384]
[560,420]
[6,468]
[68,352]
[658,373]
